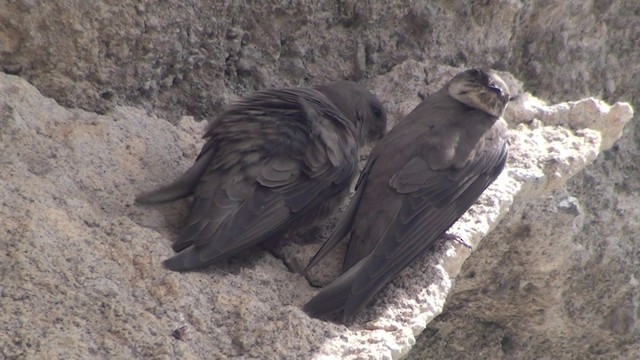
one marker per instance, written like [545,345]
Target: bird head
[360,107]
[480,89]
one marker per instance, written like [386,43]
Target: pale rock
[81,263]
[557,277]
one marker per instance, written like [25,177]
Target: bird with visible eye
[480,91]
[419,180]
[275,161]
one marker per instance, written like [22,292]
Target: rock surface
[79,274]
[81,267]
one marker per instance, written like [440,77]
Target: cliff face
[80,264]
[188,57]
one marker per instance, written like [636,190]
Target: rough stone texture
[80,265]
[81,272]
[542,286]
[568,269]
[187,57]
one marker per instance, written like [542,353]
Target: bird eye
[377,112]
[495,89]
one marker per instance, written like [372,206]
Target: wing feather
[431,202]
[423,218]
[302,156]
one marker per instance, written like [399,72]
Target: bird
[420,178]
[275,160]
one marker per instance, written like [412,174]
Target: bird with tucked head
[276,160]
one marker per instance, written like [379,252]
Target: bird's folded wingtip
[180,262]
[168,193]
[144,198]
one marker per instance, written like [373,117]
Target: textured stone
[189,57]
[569,286]
[81,267]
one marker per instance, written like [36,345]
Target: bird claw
[457,239]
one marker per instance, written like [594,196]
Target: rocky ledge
[80,263]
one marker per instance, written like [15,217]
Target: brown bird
[275,160]
[419,179]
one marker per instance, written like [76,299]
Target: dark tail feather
[180,188]
[187,260]
[171,192]
[332,299]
